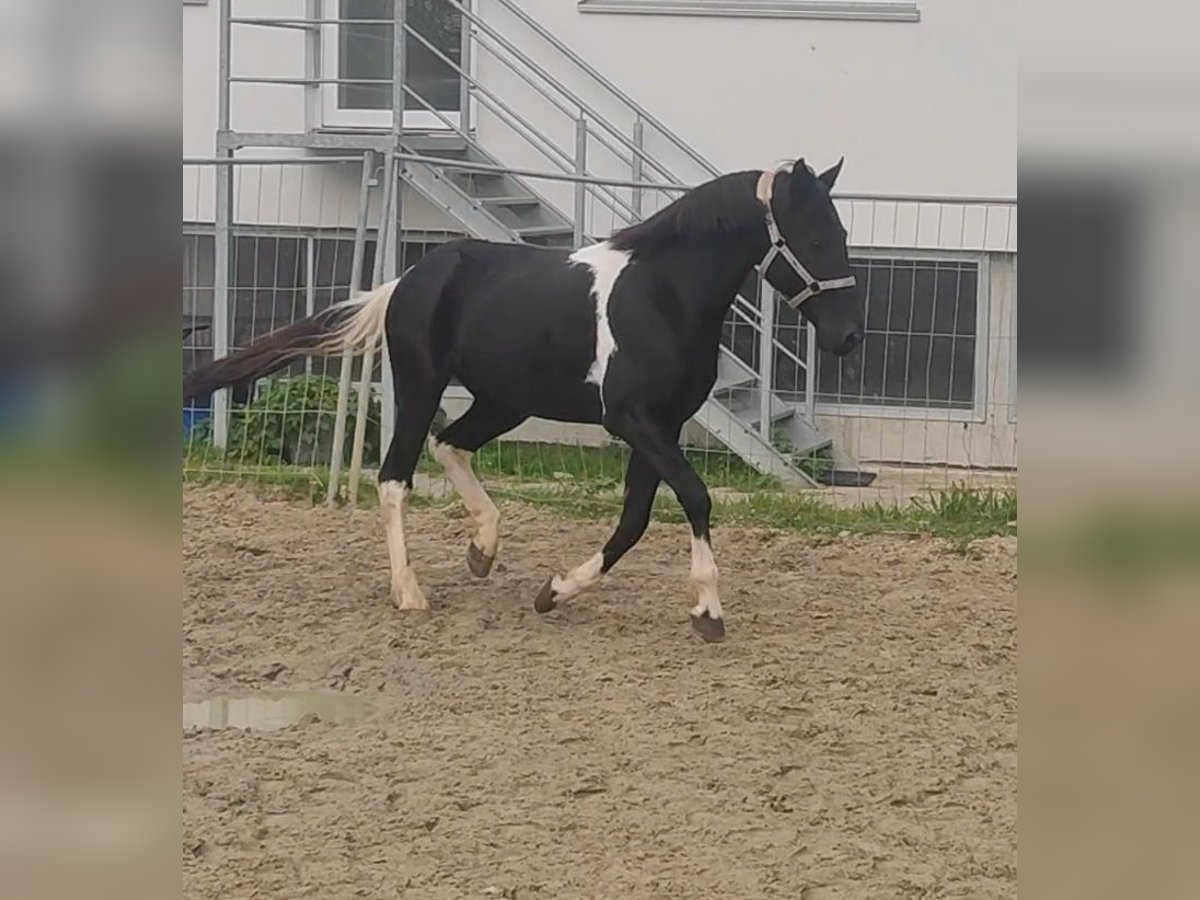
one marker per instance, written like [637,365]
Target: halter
[779,247]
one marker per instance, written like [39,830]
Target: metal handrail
[579,61]
[514,118]
[453,163]
[583,105]
[561,107]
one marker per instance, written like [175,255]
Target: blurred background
[1110,405]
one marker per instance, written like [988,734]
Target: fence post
[639,141]
[347,370]
[368,353]
[766,359]
[581,137]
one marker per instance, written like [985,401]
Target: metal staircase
[476,168]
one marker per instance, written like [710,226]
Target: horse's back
[515,323]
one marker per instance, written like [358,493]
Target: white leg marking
[704,580]
[406,593]
[578,579]
[484,515]
[606,264]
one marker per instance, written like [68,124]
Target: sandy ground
[854,737]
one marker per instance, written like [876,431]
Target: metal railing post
[388,253]
[810,375]
[392,260]
[639,142]
[221,230]
[221,308]
[347,371]
[766,360]
[465,61]
[581,138]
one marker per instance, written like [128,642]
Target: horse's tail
[349,325]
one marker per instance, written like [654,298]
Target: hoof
[712,630]
[479,564]
[545,599]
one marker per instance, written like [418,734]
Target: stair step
[544,230]
[514,200]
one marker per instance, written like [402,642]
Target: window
[364,51]
[922,338]
[870,10]
[197,299]
[276,279]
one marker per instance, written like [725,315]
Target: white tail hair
[365,326]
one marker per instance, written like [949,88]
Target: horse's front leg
[641,481]
[658,443]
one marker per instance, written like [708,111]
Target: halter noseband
[779,247]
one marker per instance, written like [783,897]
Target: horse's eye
[816,244]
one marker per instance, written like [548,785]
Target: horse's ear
[829,176]
[801,180]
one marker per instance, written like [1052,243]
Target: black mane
[727,203]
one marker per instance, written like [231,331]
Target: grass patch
[600,467]
[586,483]
[959,514]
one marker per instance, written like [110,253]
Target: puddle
[269,711]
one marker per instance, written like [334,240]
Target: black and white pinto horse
[623,333]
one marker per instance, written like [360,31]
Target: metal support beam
[581,141]
[392,258]
[388,252]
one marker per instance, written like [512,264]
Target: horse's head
[808,261]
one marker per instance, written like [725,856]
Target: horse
[623,333]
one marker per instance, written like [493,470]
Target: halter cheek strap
[779,247]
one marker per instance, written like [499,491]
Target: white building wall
[925,107]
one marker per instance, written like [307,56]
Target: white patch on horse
[606,264]
[704,579]
[406,593]
[579,579]
[484,514]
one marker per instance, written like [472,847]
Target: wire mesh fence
[927,404]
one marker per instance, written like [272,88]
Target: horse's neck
[716,266]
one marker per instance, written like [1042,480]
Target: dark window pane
[962,371]
[919,348]
[923,293]
[197,299]
[365,51]
[900,299]
[268,290]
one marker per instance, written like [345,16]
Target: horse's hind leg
[452,447]
[416,405]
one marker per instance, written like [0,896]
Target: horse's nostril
[853,339]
